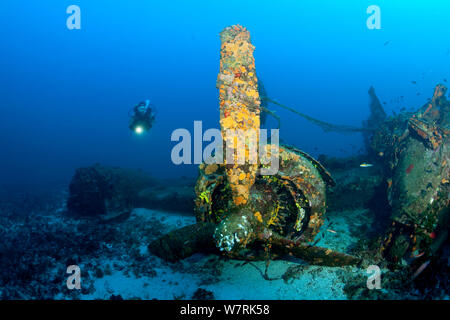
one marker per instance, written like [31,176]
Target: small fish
[421,268]
[445,79]
[418,94]
[387,42]
[384,102]
[366,165]
[414,82]
[418,255]
[332,231]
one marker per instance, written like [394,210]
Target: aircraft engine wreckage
[416,151]
[248,215]
[240,212]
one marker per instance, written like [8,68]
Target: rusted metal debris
[198,238]
[418,162]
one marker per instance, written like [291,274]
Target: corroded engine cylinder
[290,204]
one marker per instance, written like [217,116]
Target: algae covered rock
[105,192]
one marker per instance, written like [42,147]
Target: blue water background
[65,94]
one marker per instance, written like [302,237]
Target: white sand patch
[167,285]
[237,280]
[247,283]
[171,220]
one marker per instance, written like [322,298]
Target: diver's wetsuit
[142,116]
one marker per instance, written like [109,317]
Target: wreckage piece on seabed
[107,193]
[241,212]
[419,186]
[111,193]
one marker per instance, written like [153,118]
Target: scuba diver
[142,118]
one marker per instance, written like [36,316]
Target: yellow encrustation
[239,109]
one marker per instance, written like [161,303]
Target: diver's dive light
[138,130]
[142,118]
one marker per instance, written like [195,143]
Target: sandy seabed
[229,279]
